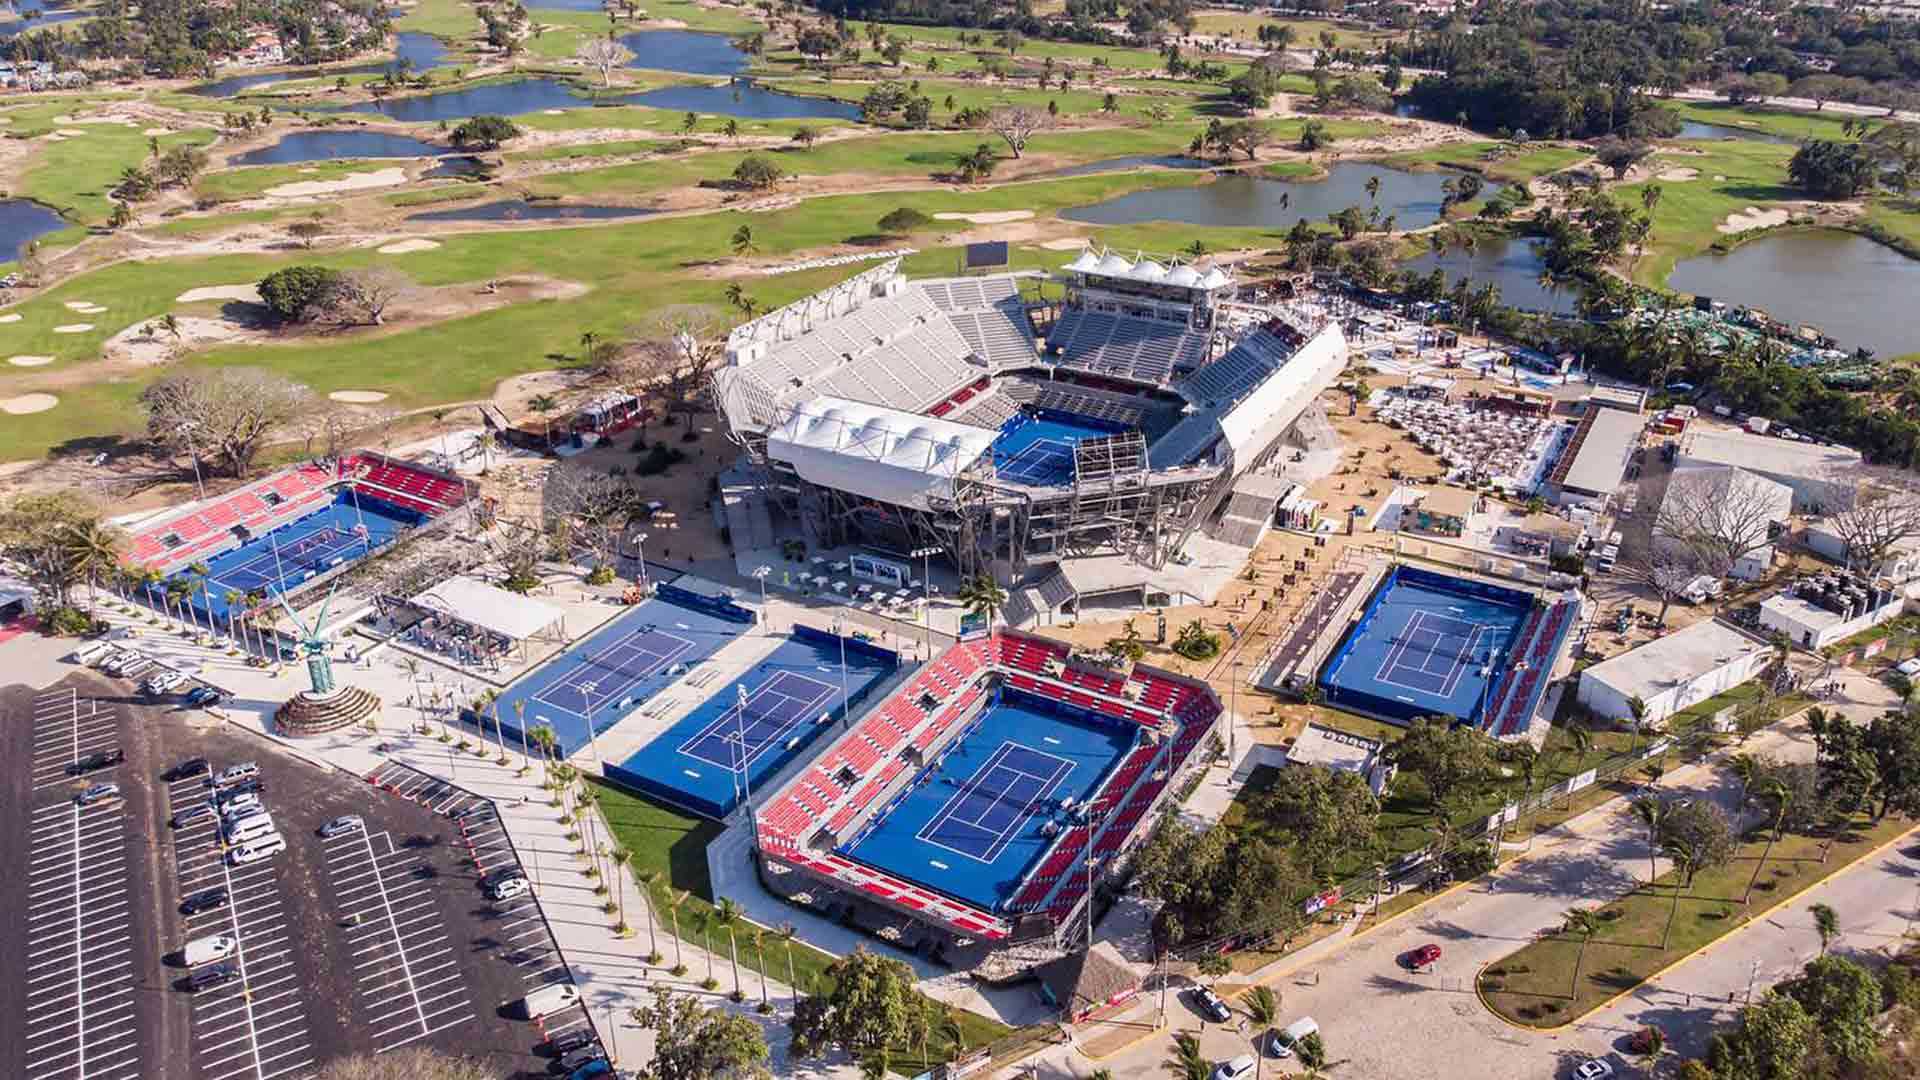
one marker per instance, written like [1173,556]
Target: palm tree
[620,857]
[545,739]
[787,933]
[93,552]
[675,898]
[1779,791]
[543,405]
[728,914]
[705,919]
[623,856]
[1373,189]
[1583,924]
[875,1065]
[742,242]
[983,596]
[1826,923]
[1651,811]
[951,1030]
[233,598]
[202,574]
[759,938]
[520,721]
[1746,767]
[1187,1062]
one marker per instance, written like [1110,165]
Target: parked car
[598,1067]
[1593,1069]
[233,774]
[241,790]
[204,900]
[549,999]
[494,877]
[204,697]
[1237,1069]
[253,851]
[1289,1037]
[98,793]
[246,802]
[208,977]
[193,766]
[1425,956]
[508,889]
[164,682]
[99,759]
[342,825]
[569,1041]
[187,815]
[206,950]
[1210,1006]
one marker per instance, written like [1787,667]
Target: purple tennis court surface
[785,701]
[613,671]
[1432,653]
[987,812]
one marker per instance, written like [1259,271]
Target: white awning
[885,454]
[489,607]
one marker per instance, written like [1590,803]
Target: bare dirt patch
[987,217]
[28,403]
[402,247]
[1753,218]
[249,294]
[350,182]
[1065,243]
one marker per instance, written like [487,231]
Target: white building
[1805,467]
[1327,748]
[1901,564]
[1753,495]
[1813,627]
[1671,673]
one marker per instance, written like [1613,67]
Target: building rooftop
[1551,525]
[1331,749]
[1631,398]
[1738,487]
[1800,612]
[1675,660]
[1761,453]
[1451,501]
[1600,459]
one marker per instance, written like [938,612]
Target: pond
[686,50]
[1255,201]
[1137,161]
[44,14]
[747,100]
[22,222]
[524,96]
[1694,129]
[412,52]
[326,145]
[522,210]
[1512,264]
[1857,291]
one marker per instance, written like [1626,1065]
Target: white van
[248,829]
[549,999]
[207,949]
[1284,1041]
[254,850]
[86,654]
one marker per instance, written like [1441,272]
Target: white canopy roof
[886,454]
[490,608]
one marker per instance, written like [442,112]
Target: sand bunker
[29,361]
[1064,244]
[73,328]
[28,403]
[71,133]
[146,342]
[1753,218]
[157,131]
[53,136]
[350,182]
[1679,174]
[556,112]
[402,247]
[990,217]
[87,306]
[10,317]
[357,397]
[248,293]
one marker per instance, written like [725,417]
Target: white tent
[491,608]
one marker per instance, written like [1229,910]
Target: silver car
[342,825]
[98,793]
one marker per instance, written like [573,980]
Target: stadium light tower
[188,429]
[641,542]
[743,782]
[593,738]
[846,713]
[925,555]
[760,574]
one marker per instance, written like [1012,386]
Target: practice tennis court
[785,701]
[1427,644]
[794,696]
[608,675]
[996,801]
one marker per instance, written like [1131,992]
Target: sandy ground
[350,182]
[402,247]
[29,361]
[73,328]
[1065,243]
[1679,174]
[246,293]
[1753,218]
[13,316]
[991,217]
[28,403]
[358,397]
[145,343]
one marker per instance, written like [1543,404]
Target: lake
[1857,291]
[23,221]
[1257,201]
[412,52]
[323,145]
[524,96]
[522,210]
[1693,129]
[1137,161]
[1512,264]
[44,14]
[686,50]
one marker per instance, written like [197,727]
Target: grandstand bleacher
[410,487]
[1242,368]
[1143,350]
[209,527]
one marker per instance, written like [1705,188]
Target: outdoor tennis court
[1038,449]
[793,699]
[283,560]
[603,677]
[974,821]
[1426,644]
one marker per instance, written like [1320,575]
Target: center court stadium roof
[880,453]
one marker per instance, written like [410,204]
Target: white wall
[1612,702]
[1809,637]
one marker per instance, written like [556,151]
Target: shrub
[299,293]
[68,622]
[485,133]
[904,220]
[659,459]
[757,172]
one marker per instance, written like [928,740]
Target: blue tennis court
[793,698]
[350,528]
[975,819]
[1037,448]
[606,675]
[1426,644]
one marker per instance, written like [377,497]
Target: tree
[1583,924]
[1187,1061]
[1247,136]
[693,1042]
[1621,155]
[226,411]
[1773,1038]
[307,230]
[1721,514]
[300,293]
[603,54]
[1844,999]
[805,136]
[405,1063]
[1312,1051]
[54,537]
[1873,511]
[816,42]
[1698,836]
[867,1011]
[742,241]
[179,166]
[1329,814]
[485,132]
[1666,566]
[978,165]
[365,295]
[758,172]
[1894,740]
[1314,136]
[1826,169]
[1262,1005]
[904,220]
[1016,124]
[1826,923]
[983,596]
[1449,760]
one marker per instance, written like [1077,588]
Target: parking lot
[67,726]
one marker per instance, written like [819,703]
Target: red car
[1424,956]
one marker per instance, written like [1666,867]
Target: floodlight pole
[593,739]
[760,574]
[846,710]
[641,542]
[745,782]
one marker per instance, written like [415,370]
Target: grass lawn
[618,148]
[249,181]
[674,845]
[449,19]
[74,174]
[1306,32]
[1535,984]
[1788,123]
[1899,216]
[1733,175]
[205,226]
[1527,164]
[1075,102]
